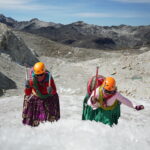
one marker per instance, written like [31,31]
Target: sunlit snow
[70,132]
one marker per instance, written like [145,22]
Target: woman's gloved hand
[49,90]
[93,100]
[27,84]
[139,107]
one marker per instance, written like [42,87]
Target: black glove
[93,100]
[49,90]
[27,84]
[139,107]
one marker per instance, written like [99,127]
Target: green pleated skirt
[109,117]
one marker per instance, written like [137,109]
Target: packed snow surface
[70,132]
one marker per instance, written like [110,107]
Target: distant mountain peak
[34,20]
[6,18]
[2,16]
[79,23]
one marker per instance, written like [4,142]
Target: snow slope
[70,132]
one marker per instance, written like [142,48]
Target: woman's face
[40,77]
[108,93]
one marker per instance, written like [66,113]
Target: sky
[98,12]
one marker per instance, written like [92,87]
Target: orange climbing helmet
[39,68]
[109,84]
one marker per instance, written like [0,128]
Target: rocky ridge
[80,34]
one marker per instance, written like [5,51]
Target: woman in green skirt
[103,103]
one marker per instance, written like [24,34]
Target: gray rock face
[6,83]
[15,47]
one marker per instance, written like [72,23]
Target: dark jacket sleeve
[28,91]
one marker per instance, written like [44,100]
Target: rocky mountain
[33,24]
[42,46]
[8,21]
[14,54]
[6,83]
[15,47]
[80,34]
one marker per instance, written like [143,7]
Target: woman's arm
[121,99]
[124,100]
[28,89]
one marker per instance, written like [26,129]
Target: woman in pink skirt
[41,101]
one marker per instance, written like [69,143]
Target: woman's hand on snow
[139,107]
